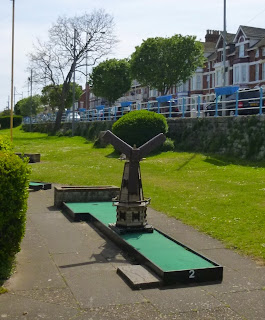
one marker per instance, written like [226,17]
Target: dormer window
[241,51]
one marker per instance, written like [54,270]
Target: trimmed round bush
[14,182]
[137,127]
[168,145]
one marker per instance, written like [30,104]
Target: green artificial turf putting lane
[165,253]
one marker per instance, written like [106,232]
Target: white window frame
[241,52]
[263,71]
[199,82]
[218,78]
[257,53]
[238,73]
[244,73]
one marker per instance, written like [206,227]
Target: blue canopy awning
[126,103]
[164,98]
[82,110]
[226,90]
[100,107]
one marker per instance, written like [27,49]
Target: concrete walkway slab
[67,270]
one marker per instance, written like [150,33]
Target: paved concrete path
[67,270]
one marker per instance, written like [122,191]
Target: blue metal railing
[195,106]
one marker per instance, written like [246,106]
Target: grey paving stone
[224,313]
[97,286]
[249,304]
[32,274]
[60,296]
[232,259]
[136,311]
[60,234]
[16,307]
[233,281]
[181,299]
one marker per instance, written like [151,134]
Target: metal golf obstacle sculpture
[131,204]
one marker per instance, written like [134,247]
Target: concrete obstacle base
[33,157]
[84,194]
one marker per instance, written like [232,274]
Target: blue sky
[135,20]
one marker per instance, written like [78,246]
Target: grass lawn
[223,198]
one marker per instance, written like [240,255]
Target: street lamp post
[224,43]
[12,71]
[73,117]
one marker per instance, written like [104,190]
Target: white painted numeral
[192,274]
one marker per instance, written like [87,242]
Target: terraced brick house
[244,66]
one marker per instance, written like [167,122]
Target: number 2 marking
[192,274]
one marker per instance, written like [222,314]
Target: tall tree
[111,79]
[51,95]
[28,106]
[163,62]
[73,45]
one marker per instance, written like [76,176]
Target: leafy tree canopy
[28,106]
[163,62]
[111,79]
[52,95]
[5,113]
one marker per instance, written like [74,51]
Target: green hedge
[137,127]
[5,121]
[14,182]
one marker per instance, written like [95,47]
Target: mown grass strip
[222,197]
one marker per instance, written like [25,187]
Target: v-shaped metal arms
[132,153]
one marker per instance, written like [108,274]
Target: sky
[135,21]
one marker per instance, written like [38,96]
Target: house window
[236,74]
[240,73]
[213,80]
[256,72]
[263,71]
[218,78]
[263,51]
[241,51]
[244,73]
[257,53]
[193,82]
[198,82]
[180,88]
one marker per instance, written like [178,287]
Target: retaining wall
[242,136]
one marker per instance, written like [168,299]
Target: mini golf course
[172,261]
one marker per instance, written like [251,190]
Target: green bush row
[5,122]
[14,182]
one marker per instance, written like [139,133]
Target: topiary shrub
[137,127]
[168,145]
[14,182]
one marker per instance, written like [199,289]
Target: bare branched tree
[73,45]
